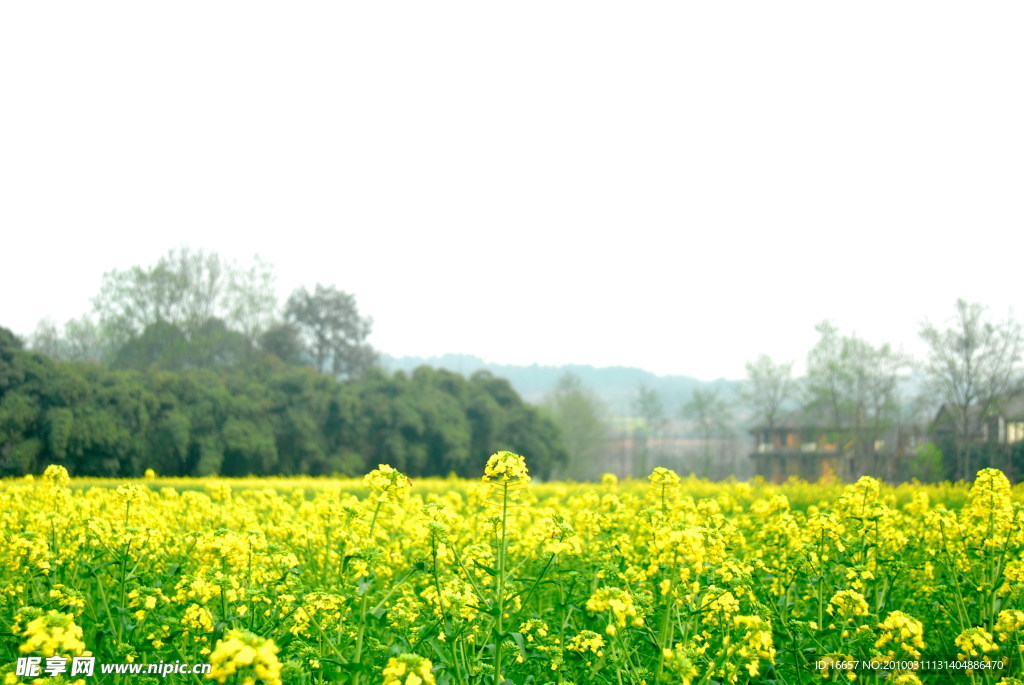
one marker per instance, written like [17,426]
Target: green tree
[208,415]
[510,424]
[181,289]
[282,341]
[439,396]
[582,419]
[23,376]
[332,331]
[170,436]
[926,464]
[215,346]
[162,345]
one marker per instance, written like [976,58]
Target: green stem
[500,600]
[662,636]
[124,569]
[373,522]
[362,603]
[327,553]
[362,631]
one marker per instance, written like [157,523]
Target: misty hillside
[615,385]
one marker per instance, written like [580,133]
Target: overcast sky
[672,186]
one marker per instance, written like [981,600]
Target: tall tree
[185,288]
[199,281]
[332,331]
[973,364]
[282,340]
[712,416]
[250,300]
[83,341]
[853,386]
[651,411]
[767,389]
[582,418]
[176,291]
[46,340]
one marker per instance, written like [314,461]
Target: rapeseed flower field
[504,580]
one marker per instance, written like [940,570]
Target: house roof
[1010,409]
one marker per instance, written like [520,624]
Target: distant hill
[615,385]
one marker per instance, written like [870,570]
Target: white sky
[672,186]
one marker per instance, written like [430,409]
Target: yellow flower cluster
[679,661]
[975,643]
[244,653]
[130,494]
[836,663]
[1008,624]
[663,477]
[56,476]
[849,603]
[587,641]
[408,669]
[990,513]
[319,611]
[902,636]
[755,643]
[506,466]
[52,633]
[67,598]
[198,622]
[619,603]
[387,484]
[457,597]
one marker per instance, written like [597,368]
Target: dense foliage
[259,416]
[445,582]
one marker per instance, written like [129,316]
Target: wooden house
[1002,423]
[796,444]
[803,443]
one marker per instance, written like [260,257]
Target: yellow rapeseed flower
[240,651]
[52,633]
[387,484]
[56,475]
[902,636]
[975,643]
[587,641]
[506,466]
[662,477]
[617,601]
[408,669]
[507,472]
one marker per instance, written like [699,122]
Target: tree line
[876,403]
[194,309]
[189,367]
[859,393]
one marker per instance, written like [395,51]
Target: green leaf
[490,571]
